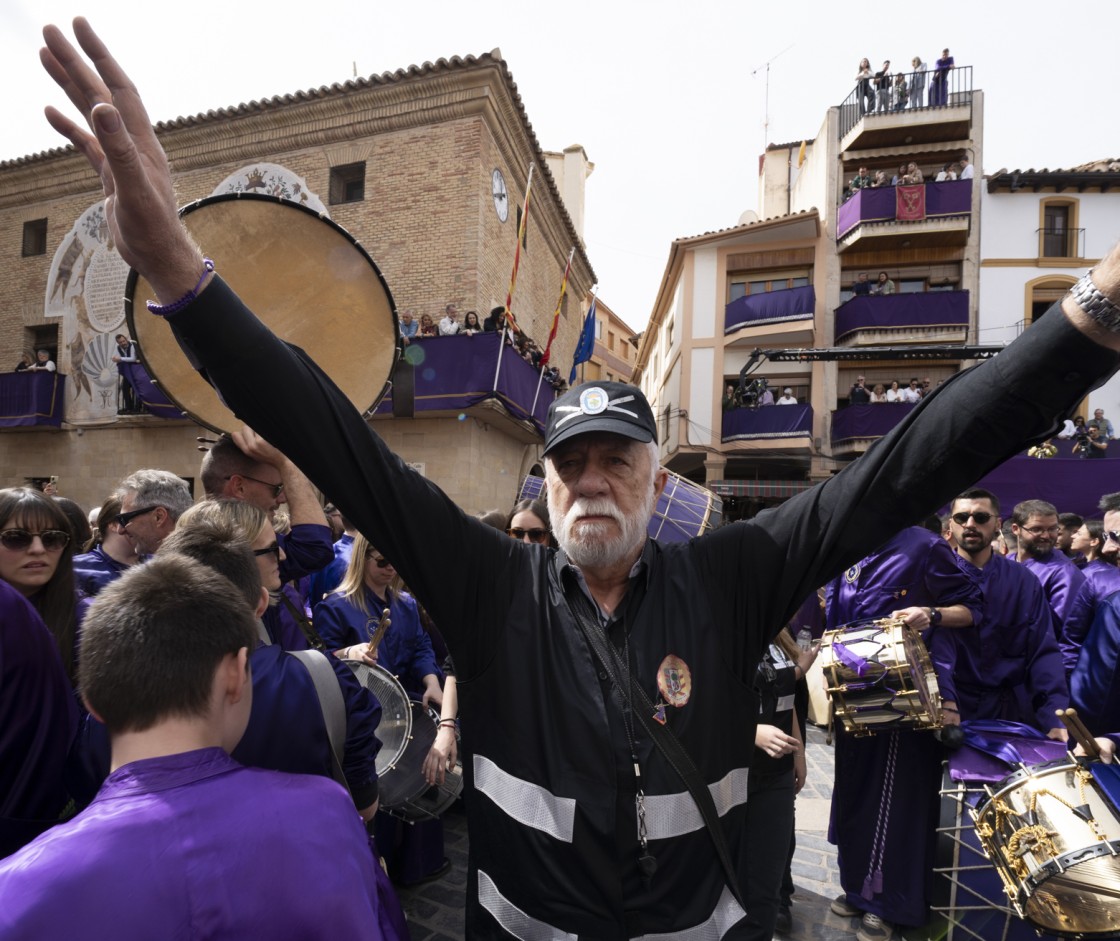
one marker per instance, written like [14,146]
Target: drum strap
[330,701]
[314,640]
[671,747]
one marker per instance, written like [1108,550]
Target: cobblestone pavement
[435,910]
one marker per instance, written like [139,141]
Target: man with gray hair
[151,502]
[589,670]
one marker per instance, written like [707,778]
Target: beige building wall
[430,139]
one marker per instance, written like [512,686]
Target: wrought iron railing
[918,91]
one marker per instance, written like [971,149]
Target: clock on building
[500,194]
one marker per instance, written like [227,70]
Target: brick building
[425,167]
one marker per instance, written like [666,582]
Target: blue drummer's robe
[1070,602]
[1094,684]
[95,569]
[307,548]
[1009,668]
[885,795]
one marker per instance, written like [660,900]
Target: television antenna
[766,118]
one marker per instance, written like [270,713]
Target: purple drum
[684,510]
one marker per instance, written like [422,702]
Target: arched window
[1042,293]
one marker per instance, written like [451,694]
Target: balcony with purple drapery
[880,205]
[771,307]
[861,422]
[32,399]
[768,421]
[932,309]
[454,373]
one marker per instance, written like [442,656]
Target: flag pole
[507,317]
[552,330]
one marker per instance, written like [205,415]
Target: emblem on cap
[593,401]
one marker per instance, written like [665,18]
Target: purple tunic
[1009,668]
[38,719]
[195,846]
[1103,578]
[95,569]
[1062,581]
[885,796]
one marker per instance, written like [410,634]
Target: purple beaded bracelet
[169,309]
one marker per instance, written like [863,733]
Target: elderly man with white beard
[585,820]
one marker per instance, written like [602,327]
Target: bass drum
[407,733]
[307,280]
[683,511]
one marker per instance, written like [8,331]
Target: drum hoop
[356,666]
[131,313]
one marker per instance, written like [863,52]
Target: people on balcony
[449,325]
[859,394]
[912,394]
[408,326]
[881,179]
[471,324]
[939,87]
[966,168]
[25,362]
[883,86]
[948,173]
[427,327]
[883,286]
[894,393]
[493,322]
[913,174]
[1102,424]
[787,397]
[862,287]
[878,394]
[897,179]
[864,93]
[43,362]
[918,82]
[900,92]
[861,180]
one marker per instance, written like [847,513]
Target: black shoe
[784,922]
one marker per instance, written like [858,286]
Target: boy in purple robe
[1008,668]
[181,841]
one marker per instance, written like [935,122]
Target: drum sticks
[1076,728]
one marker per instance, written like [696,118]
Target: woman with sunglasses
[528,522]
[36,555]
[346,619]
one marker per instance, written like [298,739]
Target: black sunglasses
[382,562]
[981,517]
[535,535]
[273,549]
[1113,535]
[124,519]
[276,489]
[18,539]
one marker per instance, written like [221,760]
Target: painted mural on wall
[86,288]
[269,179]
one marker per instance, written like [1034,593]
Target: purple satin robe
[885,795]
[1094,684]
[1009,667]
[194,845]
[1062,581]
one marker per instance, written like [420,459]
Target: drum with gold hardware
[1052,831]
[304,276]
[879,677]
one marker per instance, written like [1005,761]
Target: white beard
[594,544]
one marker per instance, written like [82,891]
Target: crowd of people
[754,393]
[609,688]
[449,325]
[884,90]
[911,392]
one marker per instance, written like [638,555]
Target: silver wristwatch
[1095,304]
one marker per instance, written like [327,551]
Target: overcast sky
[668,99]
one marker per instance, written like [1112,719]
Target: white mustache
[584,507]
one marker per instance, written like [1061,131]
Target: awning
[758,488]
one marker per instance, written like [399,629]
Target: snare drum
[879,676]
[1053,835]
[407,733]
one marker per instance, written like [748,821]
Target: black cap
[600,406]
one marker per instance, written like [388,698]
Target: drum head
[308,280]
[395,728]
